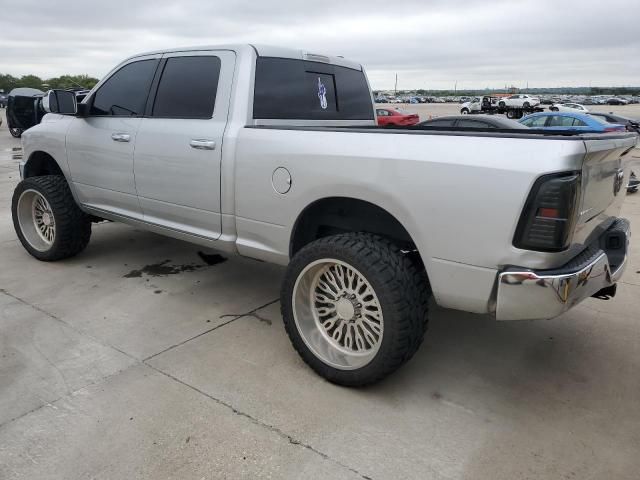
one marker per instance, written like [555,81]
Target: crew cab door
[100,146]
[179,142]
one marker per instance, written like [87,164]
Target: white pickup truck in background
[274,154]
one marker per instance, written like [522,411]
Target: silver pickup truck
[275,154]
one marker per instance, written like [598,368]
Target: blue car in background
[569,121]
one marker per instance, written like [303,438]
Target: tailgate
[605,173]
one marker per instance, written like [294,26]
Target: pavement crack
[251,313]
[272,428]
[235,317]
[51,403]
[67,324]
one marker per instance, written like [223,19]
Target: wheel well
[41,163]
[331,216]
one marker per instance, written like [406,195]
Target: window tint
[535,122]
[125,92]
[187,88]
[297,89]
[558,121]
[439,123]
[579,123]
[474,124]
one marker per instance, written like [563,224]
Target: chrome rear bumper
[536,294]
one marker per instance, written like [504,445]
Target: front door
[179,143]
[100,147]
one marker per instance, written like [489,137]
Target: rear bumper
[536,294]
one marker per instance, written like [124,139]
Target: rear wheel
[554,109]
[48,222]
[526,105]
[355,307]
[15,132]
[511,114]
[502,104]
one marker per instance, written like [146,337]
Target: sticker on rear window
[322,94]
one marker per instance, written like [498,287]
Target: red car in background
[389,116]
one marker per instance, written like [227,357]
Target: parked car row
[543,99]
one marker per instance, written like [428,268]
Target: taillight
[615,129]
[549,214]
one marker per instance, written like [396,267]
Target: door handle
[202,144]
[120,137]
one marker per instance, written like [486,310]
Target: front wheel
[526,105]
[47,220]
[464,111]
[355,307]
[554,109]
[15,132]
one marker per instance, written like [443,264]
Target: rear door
[179,142]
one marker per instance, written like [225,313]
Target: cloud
[430,44]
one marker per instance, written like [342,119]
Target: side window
[558,121]
[440,123]
[473,124]
[125,92]
[187,88]
[579,123]
[535,122]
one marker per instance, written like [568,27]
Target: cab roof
[263,51]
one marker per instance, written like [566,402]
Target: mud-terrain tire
[47,220]
[360,287]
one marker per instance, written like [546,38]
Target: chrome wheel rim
[36,219]
[338,314]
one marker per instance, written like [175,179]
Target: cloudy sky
[429,43]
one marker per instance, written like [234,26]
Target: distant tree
[72,81]
[31,81]
[9,82]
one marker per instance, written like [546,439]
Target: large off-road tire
[355,307]
[49,223]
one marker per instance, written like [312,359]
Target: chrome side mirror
[60,101]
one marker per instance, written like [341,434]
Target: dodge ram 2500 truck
[274,154]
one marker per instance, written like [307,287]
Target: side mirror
[82,110]
[60,101]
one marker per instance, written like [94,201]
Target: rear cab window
[300,89]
